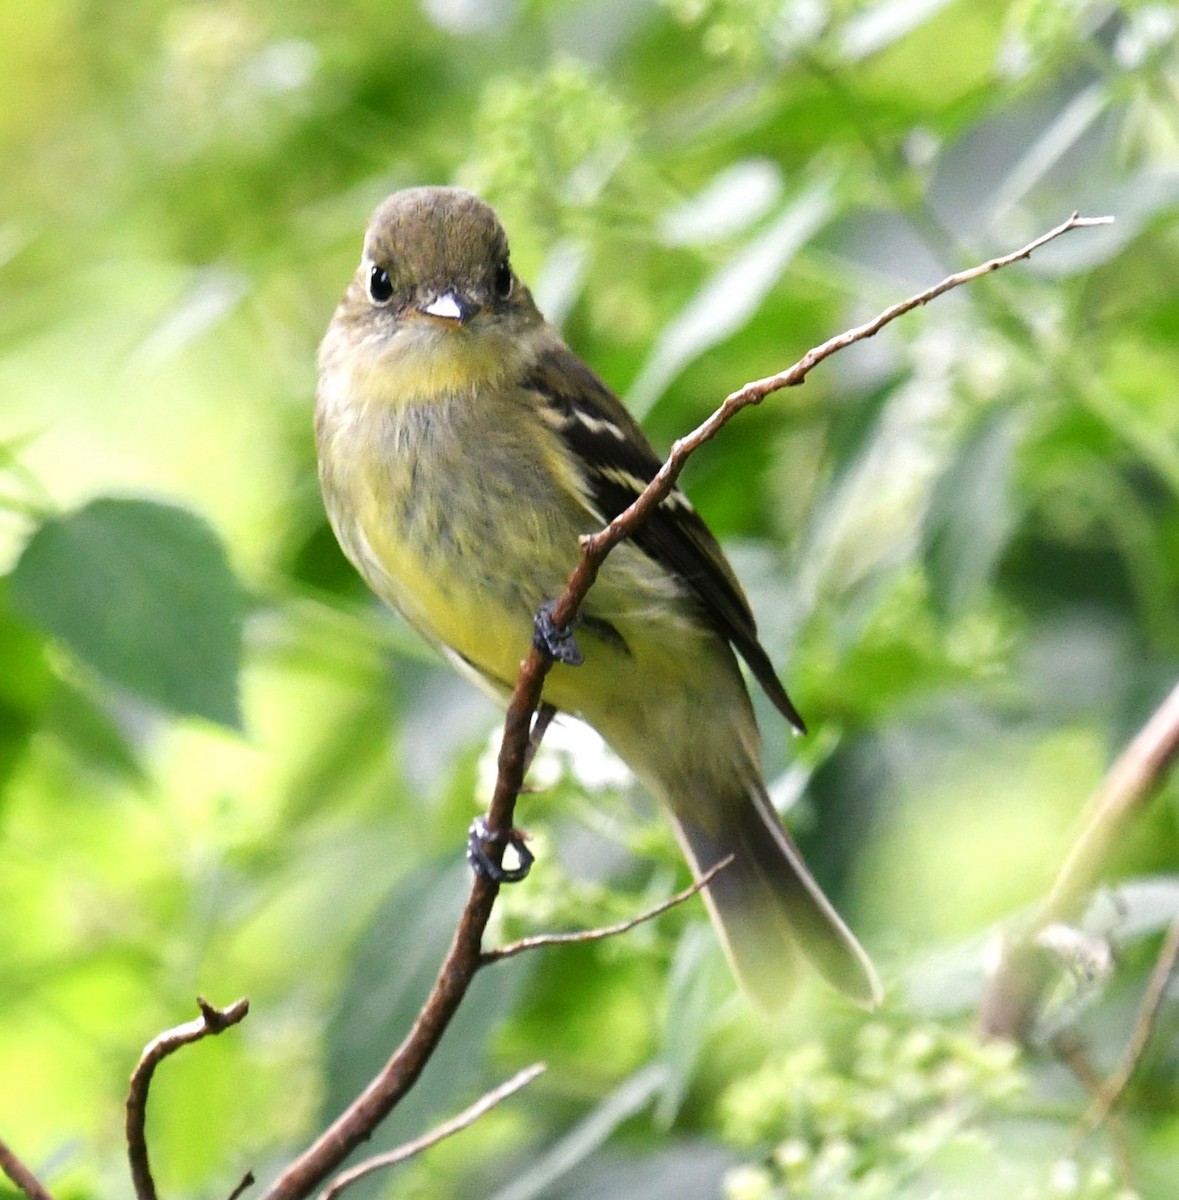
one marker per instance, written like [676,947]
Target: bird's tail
[767,906]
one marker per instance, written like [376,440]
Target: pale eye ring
[503,280]
[380,286]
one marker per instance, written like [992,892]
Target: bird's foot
[480,836]
[551,639]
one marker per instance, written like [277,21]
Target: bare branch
[596,547]
[1152,1000]
[356,1123]
[603,931]
[211,1021]
[467,1117]
[464,957]
[21,1175]
[1013,991]
[1071,1051]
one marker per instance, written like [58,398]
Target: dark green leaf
[83,724]
[143,593]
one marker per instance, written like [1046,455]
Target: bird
[463,450]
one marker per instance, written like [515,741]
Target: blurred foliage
[225,770]
[912,1112]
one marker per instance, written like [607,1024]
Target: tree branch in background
[1071,1050]
[467,1117]
[211,1021]
[1013,992]
[21,1175]
[1152,999]
[465,956]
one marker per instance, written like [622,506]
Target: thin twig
[596,546]
[1152,1000]
[467,1117]
[603,931]
[463,959]
[1013,991]
[211,1021]
[21,1175]
[1071,1051]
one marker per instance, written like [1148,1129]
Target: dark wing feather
[619,461]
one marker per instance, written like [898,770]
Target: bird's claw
[549,638]
[480,836]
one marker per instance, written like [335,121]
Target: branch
[1152,1000]
[595,547]
[467,1117]
[211,1021]
[21,1175]
[464,957]
[1013,992]
[603,931]
[1072,1052]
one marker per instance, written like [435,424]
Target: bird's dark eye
[503,280]
[380,286]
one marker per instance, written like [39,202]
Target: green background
[225,770]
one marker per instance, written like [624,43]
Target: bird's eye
[380,286]
[503,280]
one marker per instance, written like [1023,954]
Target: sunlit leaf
[25,683]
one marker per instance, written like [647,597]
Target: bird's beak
[451,306]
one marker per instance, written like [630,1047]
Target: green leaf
[693,997]
[143,593]
[969,515]
[83,724]
[25,684]
[880,25]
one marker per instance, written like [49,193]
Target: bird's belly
[468,551]
[447,595]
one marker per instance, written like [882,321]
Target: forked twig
[211,1021]
[246,1181]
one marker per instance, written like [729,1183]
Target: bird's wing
[618,462]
